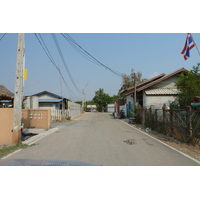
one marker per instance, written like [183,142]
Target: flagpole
[195,43]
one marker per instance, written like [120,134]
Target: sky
[148,53]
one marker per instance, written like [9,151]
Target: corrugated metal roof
[162,91]
[49,100]
[47,92]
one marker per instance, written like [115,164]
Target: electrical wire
[86,54]
[3,36]
[64,62]
[44,47]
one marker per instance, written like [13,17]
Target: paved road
[98,138]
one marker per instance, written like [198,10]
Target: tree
[101,99]
[128,81]
[188,85]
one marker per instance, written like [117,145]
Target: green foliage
[101,99]
[89,102]
[68,118]
[189,86]
[128,81]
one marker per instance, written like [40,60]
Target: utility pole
[61,92]
[135,90]
[83,97]
[18,95]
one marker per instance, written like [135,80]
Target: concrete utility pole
[83,97]
[135,91]
[63,103]
[18,95]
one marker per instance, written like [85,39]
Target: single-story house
[6,97]
[155,92]
[46,100]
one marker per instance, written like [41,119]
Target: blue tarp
[195,104]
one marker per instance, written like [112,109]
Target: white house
[154,92]
[46,100]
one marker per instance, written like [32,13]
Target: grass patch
[7,149]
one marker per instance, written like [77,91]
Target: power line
[86,54]
[44,47]
[64,62]
[3,36]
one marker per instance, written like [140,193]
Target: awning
[162,91]
[50,100]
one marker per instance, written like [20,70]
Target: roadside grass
[7,149]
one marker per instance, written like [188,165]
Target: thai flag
[189,44]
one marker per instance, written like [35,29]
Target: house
[6,97]
[154,92]
[46,100]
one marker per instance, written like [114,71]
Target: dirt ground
[193,151]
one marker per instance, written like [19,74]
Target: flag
[189,44]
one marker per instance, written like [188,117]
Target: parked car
[88,110]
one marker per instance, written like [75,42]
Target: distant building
[6,97]
[46,100]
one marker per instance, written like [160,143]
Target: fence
[59,114]
[73,110]
[184,125]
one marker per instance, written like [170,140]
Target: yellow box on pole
[25,72]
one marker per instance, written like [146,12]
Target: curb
[34,139]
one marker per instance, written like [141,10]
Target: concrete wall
[74,109]
[110,108]
[46,96]
[38,118]
[6,123]
[31,102]
[158,101]
[168,83]
[129,98]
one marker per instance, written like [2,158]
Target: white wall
[158,101]
[168,83]
[31,102]
[46,96]
[129,98]
[74,109]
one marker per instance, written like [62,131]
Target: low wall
[6,125]
[74,109]
[37,118]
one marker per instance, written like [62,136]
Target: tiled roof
[161,79]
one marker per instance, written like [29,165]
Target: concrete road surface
[100,139]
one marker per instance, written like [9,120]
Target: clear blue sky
[150,54]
